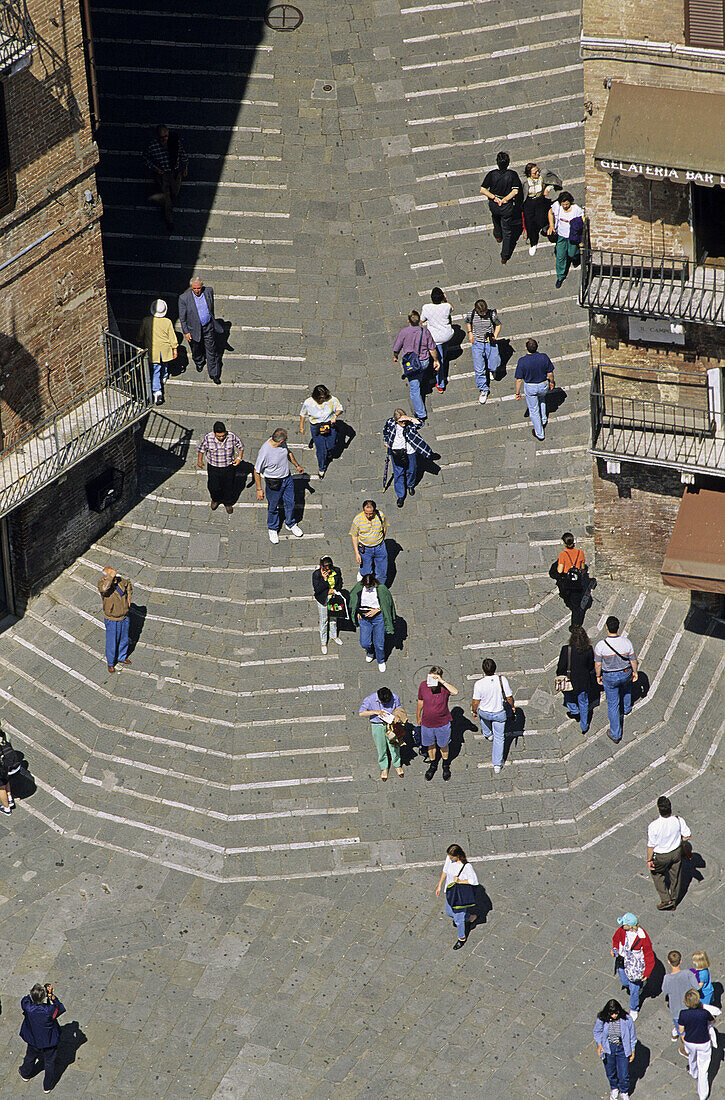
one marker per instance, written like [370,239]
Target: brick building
[71,393]
[653,280]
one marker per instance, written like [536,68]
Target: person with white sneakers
[634,958]
[273,461]
[373,610]
[616,1040]
[327,589]
[484,328]
[490,695]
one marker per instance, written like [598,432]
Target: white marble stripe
[563,450]
[482,58]
[178,43]
[203,210]
[205,503]
[465,200]
[144,126]
[485,27]
[214,74]
[496,401]
[511,643]
[236,385]
[510,427]
[499,580]
[200,183]
[203,101]
[464,116]
[112,552]
[212,267]
[517,515]
[509,611]
[426,263]
[517,485]
[161,13]
[256,241]
[222,158]
[519,78]
[529,135]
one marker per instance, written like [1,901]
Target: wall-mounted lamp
[89,197]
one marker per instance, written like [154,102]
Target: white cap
[159,307]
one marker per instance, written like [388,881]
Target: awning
[663,133]
[695,557]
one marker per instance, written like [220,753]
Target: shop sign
[657,172]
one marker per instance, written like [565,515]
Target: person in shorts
[434,719]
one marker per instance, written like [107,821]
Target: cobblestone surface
[228,901]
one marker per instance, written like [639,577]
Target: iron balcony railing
[73,433]
[17,34]
[655,432]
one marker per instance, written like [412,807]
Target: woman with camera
[41,1009]
[327,588]
[322,411]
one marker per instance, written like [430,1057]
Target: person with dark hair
[381,708]
[490,695]
[368,531]
[322,410]
[502,187]
[169,165]
[484,328]
[436,314]
[539,185]
[535,375]
[566,226]
[273,461]
[373,610]
[416,346]
[664,852]
[674,986]
[571,578]
[327,589]
[404,443]
[41,1032]
[434,719]
[457,869]
[616,1039]
[615,664]
[576,662]
[634,958]
[694,1024]
[223,451]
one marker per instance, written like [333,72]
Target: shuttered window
[6,178]
[705,24]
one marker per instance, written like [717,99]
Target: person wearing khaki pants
[664,853]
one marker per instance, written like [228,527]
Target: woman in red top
[434,719]
[571,570]
[632,949]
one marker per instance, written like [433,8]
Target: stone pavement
[228,901]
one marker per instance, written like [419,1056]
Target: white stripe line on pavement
[517,485]
[481,58]
[483,227]
[269,359]
[503,281]
[215,74]
[508,611]
[204,210]
[201,183]
[203,102]
[161,13]
[512,642]
[512,515]
[510,427]
[541,74]
[254,298]
[498,580]
[494,401]
[467,199]
[223,158]
[538,19]
[205,503]
[563,450]
[426,263]
[527,134]
[212,267]
[153,530]
[161,568]
[194,126]
[178,43]
[200,240]
[235,385]
[186,595]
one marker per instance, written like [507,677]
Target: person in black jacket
[327,582]
[40,1030]
[576,661]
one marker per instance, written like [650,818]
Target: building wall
[660,22]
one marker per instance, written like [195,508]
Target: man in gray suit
[199,326]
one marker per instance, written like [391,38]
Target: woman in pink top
[434,719]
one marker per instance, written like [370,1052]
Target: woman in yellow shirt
[157,336]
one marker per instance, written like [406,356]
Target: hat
[159,307]
[628,918]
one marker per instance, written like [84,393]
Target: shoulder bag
[411,363]
[395,731]
[461,895]
[563,683]
[685,846]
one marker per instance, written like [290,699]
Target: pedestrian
[158,337]
[373,610]
[694,1023]
[273,461]
[664,852]
[434,719]
[616,1039]
[566,227]
[116,594]
[539,185]
[572,578]
[169,165]
[368,532]
[417,347]
[436,314]
[327,589]
[457,871]
[381,708]
[7,802]
[404,443]
[615,663]
[200,327]
[701,971]
[633,959]
[576,664]
[322,410]
[223,451]
[484,327]
[674,986]
[490,695]
[503,189]
[535,374]
[41,1032]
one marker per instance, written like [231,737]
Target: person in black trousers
[201,328]
[40,1030]
[503,189]
[576,660]
[572,578]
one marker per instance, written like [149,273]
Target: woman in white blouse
[322,411]
[457,869]
[436,314]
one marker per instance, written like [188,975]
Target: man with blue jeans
[403,443]
[416,340]
[615,665]
[273,460]
[368,532]
[535,375]
[488,704]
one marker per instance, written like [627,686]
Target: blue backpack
[411,363]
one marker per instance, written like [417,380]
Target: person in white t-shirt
[322,410]
[664,852]
[457,869]
[490,694]
[437,316]
[566,229]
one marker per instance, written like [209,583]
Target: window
[705,24]
[6,175]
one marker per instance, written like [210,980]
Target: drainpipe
[95,109]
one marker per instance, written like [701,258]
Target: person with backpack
[571,578]
[483,330]
[615,664]
[415,347]
[633,957]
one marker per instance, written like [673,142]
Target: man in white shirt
[490,694]
[615,664]
[664,853]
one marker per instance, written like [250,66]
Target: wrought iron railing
[73,433]
[651,286]
[17,33]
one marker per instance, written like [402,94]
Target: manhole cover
[324,89]
[283,17]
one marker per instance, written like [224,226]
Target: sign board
[657,172]
[653,331]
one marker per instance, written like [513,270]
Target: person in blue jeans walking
[615,664]
[273,461]
[373,610]
[535,377]
[456,868]
[490,695]
[368,532]
[436,314]
[634,958]
[403,443]
[576,662]
[616,1039]
[418,341]
[116,594]
[484,326]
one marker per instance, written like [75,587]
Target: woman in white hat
[157,336]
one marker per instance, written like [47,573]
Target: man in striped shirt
[368,532]
[223,451]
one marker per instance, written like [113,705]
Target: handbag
[460,895]
[563,683]
[572,577]
[324,429]
[685,846]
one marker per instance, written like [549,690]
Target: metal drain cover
[324,89]
[283,17]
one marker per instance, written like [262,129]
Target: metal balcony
[17,36]
[655,433]
[65,439]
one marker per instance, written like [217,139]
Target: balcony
[688,439]
[65,439]
[652,286]
[17,37]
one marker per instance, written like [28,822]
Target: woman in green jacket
[372,607]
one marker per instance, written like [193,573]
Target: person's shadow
[302,486]
[692,869]
[71,1039]
[136,620]
[393,549]
[461,724]
[554,399]
[484,905]
[639,1064]
[505,351]
[345,435]
[397,640]
[641,686]
[454,347]
[515,728]
[243,471]
[653,986]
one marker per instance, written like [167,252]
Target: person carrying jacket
[40,1030]
[404,443]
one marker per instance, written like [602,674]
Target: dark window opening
[708,217]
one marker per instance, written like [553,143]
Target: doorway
[708,216]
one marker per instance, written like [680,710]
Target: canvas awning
[695,557]
[663,133]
